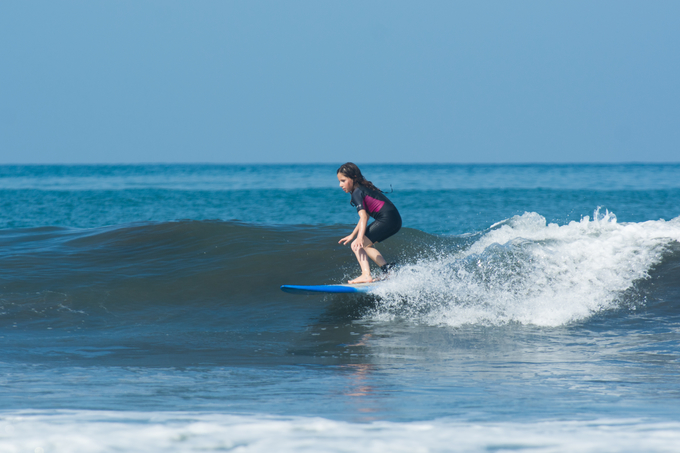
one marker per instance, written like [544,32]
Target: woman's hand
[357,244]
[346,239]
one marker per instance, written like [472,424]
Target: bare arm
[358,230]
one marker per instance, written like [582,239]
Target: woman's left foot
[387,267]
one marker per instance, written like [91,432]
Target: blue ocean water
[535,308]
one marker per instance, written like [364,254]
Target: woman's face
[346,184]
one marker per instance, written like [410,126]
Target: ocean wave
[519,270]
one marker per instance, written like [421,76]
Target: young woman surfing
[369,201]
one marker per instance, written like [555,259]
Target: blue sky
[332,81]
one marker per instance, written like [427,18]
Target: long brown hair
[352,172]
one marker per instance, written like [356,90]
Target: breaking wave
[526,271]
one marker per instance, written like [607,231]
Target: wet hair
[352,172]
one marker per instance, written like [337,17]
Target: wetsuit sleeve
[358,199]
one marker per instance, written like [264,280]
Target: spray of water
[526,271]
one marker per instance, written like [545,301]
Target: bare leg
[362,256]
[375,255]
[365,277]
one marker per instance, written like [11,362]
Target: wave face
[524,270]
[156,268]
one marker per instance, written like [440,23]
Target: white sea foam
[99,431]
[524,270]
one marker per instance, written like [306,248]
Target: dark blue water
[532,305]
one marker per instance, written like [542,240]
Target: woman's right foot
[361,279]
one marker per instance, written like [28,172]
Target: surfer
[369,201]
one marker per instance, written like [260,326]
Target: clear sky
[331,81]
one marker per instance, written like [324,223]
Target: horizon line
[26,164]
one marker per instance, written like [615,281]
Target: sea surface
[534,308]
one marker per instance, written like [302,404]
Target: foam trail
[524,270]
[101,431]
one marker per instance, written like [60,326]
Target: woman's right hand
[346,240]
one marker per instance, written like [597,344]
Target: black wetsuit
[387,219]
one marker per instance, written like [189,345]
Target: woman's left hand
[357,244]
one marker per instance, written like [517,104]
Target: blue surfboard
[341,288]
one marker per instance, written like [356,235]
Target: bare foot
[361,279]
